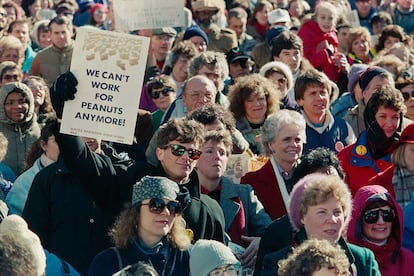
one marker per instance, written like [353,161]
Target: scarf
[403,182]
[378,143]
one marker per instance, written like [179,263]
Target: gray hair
[274,122]
[211,58]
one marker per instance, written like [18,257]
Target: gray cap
[207,255]
[165,31]
[154,187]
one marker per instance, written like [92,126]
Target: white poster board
[143,14]
[110,68]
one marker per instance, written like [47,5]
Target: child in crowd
[320,43]
[322,129]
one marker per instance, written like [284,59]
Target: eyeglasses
[179,150]
[229,269]
[407,95]
[14,77]
[165,92]
[157,205]
[372,216]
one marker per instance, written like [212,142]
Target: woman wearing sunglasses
[320,208]
[149,230]
[162,92]
[377,223]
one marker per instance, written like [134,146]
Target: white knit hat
[22,247]
[207,255]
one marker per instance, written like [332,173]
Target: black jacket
[73,202]
[203,214]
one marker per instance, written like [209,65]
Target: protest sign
[134,15]
[110,69]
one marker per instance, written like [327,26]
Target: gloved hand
[63,89]
[150,73]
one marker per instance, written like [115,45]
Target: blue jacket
[334,132]
[16,198]
[167,261]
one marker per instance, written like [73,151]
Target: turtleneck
[46,161]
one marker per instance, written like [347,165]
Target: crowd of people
[273,137]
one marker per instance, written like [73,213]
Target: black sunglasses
[179,150]
[165,91]
[372,216]
[157,205]
[406,95]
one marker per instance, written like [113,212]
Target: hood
[354,233]
[5,90]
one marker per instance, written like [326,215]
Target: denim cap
[154,187]
[273,33]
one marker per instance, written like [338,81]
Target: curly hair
[125,231]
[247,86]
[315,160]
[388,97]
[46,106]
[184,49]
[393,31]
[11,43]
[211,113]
[313,255]
[182,130]
[211,59]
[314,189]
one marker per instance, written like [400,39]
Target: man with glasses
[178,143]
[197,91]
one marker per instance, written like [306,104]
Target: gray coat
[256,217]
[21,134]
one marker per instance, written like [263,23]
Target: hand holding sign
[63,89]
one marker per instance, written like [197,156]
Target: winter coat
[73,202]
[391,257]
[16,199]
[203,215]
[362,260]
[358,164]
[21,134]
[266,188]
[255,217]
[167,261]
[312,35]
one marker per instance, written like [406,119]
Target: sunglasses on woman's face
[157,205]
[165,92]
[179,150]
[407,95]
[372,216]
